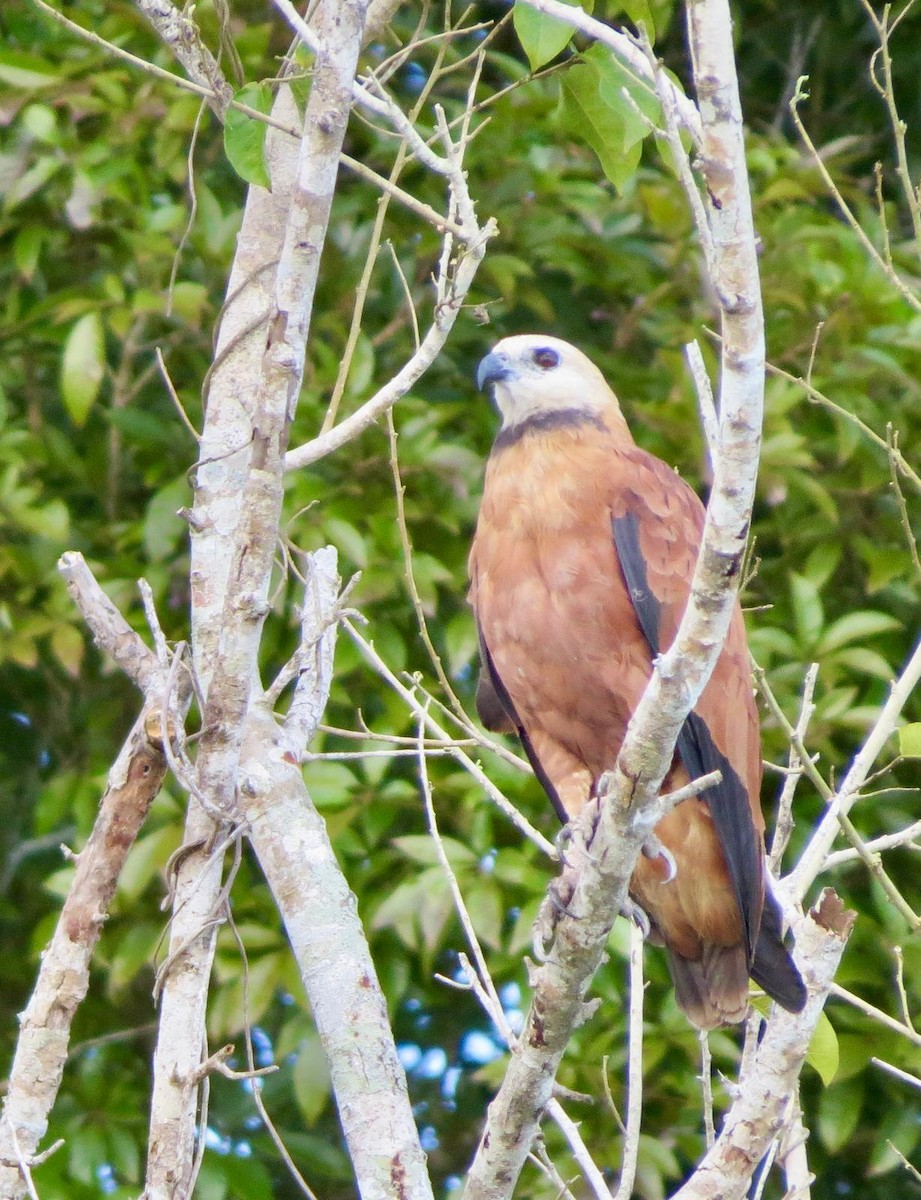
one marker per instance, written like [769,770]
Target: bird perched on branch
[580,572]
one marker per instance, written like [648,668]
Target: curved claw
[654,849]
[632,911]
[561,841]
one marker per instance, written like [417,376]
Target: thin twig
[877,1014]
[580,1152]
[783,826]
[709,417]
[460,907]
[897,1073]
[706,1085]
[631,1151]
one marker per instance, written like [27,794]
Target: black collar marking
[560,418]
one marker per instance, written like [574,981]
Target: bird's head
[533,374]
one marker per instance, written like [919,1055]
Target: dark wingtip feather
[773,968]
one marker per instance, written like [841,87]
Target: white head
[533,374]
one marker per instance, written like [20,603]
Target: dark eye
[546,358]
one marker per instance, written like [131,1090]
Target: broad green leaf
[26,71]
[839,1112]
[124,1153]
[134,951]
[212,1178]
[51,520]
[594,107]
[822,1054]
[484,903]
[460,642]
[855,627]
[27,248]
[808,614]
[86,1152]
[865,662]
[542,37]
[311,1078]
[163,529]
[68,646]
[244,136]
[330,784]
[149,853]
[422,849]
[83,366]
[655,15]
[910,740]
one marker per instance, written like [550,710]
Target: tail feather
[713,989]
[772,967]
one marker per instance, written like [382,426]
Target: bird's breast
[549,595]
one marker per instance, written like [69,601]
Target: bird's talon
[561,841]
[632,911]
[653,848]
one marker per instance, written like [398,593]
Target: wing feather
[729,801]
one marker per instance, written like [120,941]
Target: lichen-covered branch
[764,1089]
[326,935]
[254,389]
[63,979]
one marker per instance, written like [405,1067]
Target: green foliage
[542,37]
[244,136]
[95,203]
[612,109]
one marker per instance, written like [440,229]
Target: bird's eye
[546,358]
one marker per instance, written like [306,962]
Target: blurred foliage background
[95,215]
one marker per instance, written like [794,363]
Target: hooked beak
[492,369]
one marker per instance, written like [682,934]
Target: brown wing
[657,524]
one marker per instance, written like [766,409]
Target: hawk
[580,572]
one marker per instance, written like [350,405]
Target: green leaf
[330,784]
[422,849]
[822,1054]
[855,627]
[163,529]
[244,136]
[149,853]
[910,740]
[27,248]
[26,71]
[67,645]
[594,107]
[311,1078]
[136,950]
[839,1112]
[541,37]
[484,903]
[808,614]
[212,1178]
[83,366]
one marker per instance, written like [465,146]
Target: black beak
[491,369]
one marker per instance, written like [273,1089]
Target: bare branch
[767,1084]
[631,1152]
[184,39]
[111,632]
[319,614]
[335,964]
[813,858]
[580,1152]
[63,979]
